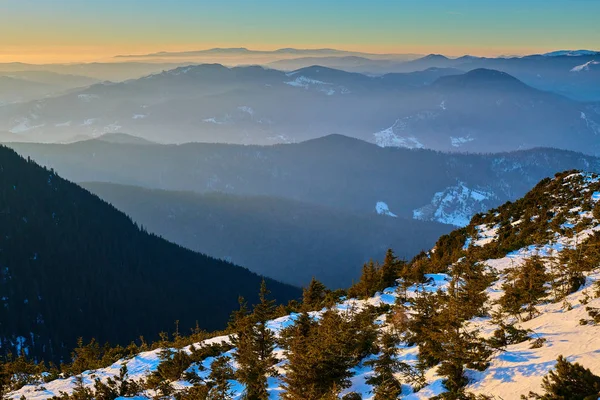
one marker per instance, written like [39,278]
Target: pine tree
[388,273]
[319,356]
[469,284]
[255,343]
[368,283]
[80,391]
[85,356]
[461,347]
[569,381]
[424,329]
[238,315]
[313,296]
[385,385]
[569,274]
[411,274]
[297,341]
[525,287]
[220,375]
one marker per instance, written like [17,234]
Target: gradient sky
[85,30]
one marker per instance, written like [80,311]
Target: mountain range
[324,206]
[335,171]
[290,52]
[478,111]
[562,72]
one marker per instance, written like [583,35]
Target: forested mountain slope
[74,266]
[507,307]
[283,239]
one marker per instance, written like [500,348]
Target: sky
[40,31]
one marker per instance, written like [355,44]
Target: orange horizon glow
[83,54]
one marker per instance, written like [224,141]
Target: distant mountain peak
[122,138]
[435,57]
[480,77]
[485,73]
[337,139]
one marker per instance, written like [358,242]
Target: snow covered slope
[556,216]
[455,205]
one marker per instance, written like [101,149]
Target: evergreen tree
[469,284]
[80,391]
[220,375]
[255,343]
[568,274]
[461,346]
[439,328]
[313,296]
[424,328]
[319,356]
[569,381]
[411,274]
[368,284]
[525,287]
[388,273]
[297,340]
[238,316]
[385,384]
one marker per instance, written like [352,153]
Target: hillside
[335,171]
[486,312]
[259,232]
[73,266]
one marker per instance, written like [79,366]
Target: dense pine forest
[73,266]
[505,308]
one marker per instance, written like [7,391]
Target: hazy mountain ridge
[253,105]
[259,232]
[335,171]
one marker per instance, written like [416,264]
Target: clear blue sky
[103,27]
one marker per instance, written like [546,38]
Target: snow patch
[389,138]
[212,120]
[585,67]
[24,126]
[455,205]
[383,209]
[459,141]
[304,82]
[89,121]
[246,109]
[86,98]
